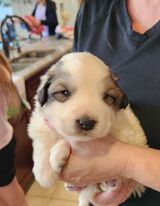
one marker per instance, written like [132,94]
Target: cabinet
[23,150]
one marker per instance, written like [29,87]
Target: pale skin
[115,158]
[12,195]
[106,159]
[144,14]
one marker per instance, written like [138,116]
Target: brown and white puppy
[78,100]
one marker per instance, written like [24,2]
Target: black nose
[86,123]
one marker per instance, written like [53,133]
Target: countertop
[60,47]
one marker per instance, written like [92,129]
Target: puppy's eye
[62,96]
[109,99]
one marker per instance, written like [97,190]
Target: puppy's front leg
[87,194]
[42,169]
[59,154]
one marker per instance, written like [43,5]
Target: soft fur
[78,100]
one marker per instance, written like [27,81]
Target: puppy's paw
[59,155]
[110,185]
[87,194]
[45,176]
[138,189]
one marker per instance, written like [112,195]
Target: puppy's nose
[86,123]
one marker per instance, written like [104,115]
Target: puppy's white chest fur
[127,128]
[78,100]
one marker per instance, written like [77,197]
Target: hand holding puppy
[86,166]
[96,161]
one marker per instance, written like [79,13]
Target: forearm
[144,166]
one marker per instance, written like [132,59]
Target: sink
[33,55]
[37,53]
[27,58]
[19,66]
[22,60]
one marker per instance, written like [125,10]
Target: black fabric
[7,163]
[51,16]
[103,28]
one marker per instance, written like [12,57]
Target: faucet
[8,33]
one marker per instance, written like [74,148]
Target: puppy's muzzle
[86,123]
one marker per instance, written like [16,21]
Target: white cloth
[6,130]
[40,14]
[19,82]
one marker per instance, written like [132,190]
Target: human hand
[36,23]
[87,165]
[32,21]
[110,198]
[113,198]
[96,161]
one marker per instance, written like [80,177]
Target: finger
[68,178]
[71,187]
[104,198]
[110,200]
[112,197]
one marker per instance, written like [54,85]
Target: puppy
[79,100]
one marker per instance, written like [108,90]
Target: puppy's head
[80,98]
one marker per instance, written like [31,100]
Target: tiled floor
[55,196]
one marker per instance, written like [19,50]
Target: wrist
[124,160]
[120,155]
[129,168]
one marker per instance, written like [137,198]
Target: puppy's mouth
[80,137]
[85,134]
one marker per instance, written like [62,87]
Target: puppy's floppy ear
[43,93]
[124,101]
[121,98]
[46,81]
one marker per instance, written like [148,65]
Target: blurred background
[25,7]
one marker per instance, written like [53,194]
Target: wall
[22,7]
[70,9]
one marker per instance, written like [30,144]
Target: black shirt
[103,27]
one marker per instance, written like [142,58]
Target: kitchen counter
[60,47]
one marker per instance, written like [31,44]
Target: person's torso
[40,14]
[104,29]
